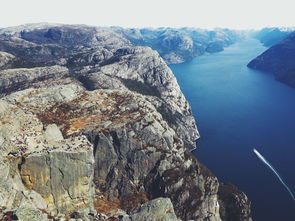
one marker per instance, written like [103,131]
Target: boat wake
[275,172]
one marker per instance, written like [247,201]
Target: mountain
[272,36]
[279,60]
[177,45]
[94,127]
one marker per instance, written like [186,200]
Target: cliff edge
[94,128]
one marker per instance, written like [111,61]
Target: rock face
[99,130]
[21,78]
[141,69]
[5,59]
[49,45]
[177,45]
[158,209]
[233,203]
[278,60]
[64,182]
[55,174]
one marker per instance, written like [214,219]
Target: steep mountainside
[279,60]
[177,45]
[272,36]
[93,128]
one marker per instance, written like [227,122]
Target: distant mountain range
[272,36]
[177,45]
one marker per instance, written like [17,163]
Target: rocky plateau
[95,127]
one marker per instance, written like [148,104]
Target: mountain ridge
[278,60]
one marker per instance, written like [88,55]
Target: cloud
[151,13]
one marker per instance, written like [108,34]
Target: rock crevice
[97,127]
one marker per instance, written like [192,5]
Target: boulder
[159,209]
[53,133]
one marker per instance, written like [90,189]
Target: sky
[237,14]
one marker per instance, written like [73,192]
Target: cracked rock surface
[93,128]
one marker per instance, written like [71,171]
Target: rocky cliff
[278,60]
[93,128]
[177,45]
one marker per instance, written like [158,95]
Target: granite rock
[142,70]
[233,203]
[21,78]
[92,127]
[5,59]
[177,45]
[160,209]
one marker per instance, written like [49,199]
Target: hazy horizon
[149,27]
[209,14]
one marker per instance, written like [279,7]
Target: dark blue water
[238,109]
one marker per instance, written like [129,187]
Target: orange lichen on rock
[105,206]
[77,124]
[134,200]
[27,182]
[53,115]
[92,110]
[9,159]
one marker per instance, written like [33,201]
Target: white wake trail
[275,172]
